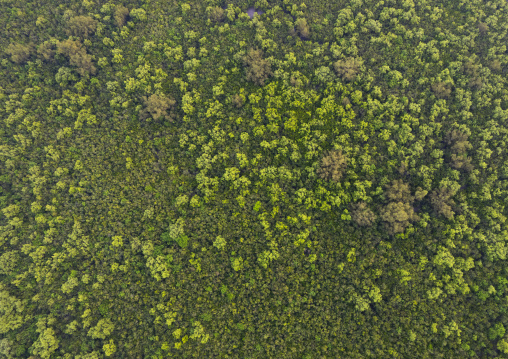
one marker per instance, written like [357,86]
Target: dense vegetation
[326,180]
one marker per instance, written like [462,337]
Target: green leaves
[237,263]
[497,331]
[219,243]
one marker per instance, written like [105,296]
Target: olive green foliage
[328,179]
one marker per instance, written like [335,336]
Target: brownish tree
[362,215]
[332,166]
[258,69]
[157,106]
[46,51]
[83,62]
[348,68]
[217,14]
[483,27]
[398,215]
[399,191]
[121,14]
[77,56]
[295,82]
[81,26]
[69,47]
[442,202]
[458,141]
[302,27]
[470,68]
[19,52]
[495,65]
[441,90]
[459,144]
[237,100]
[399,212]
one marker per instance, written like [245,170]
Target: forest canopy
[326,179]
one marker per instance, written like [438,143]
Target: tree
[483,27]
[399,191]
[497,330]
[442,202]
[459,144]
[441,90]
[81,26]
[121,14]
[46,344]
[302,27]
[157,106]
[10,312]
[217,14]
[496,65]
[5,348]
[398,216]
[258,69]
[348,68]
[458,141]
[77,56]
[138,14]
[399,212]
[502,346]
[64,76]
[103,329]
[8,261]
[69,47]
[363,215]
[238,100]
[46,50]
[332,166]
[19,52]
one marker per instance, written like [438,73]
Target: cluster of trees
[324,180]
